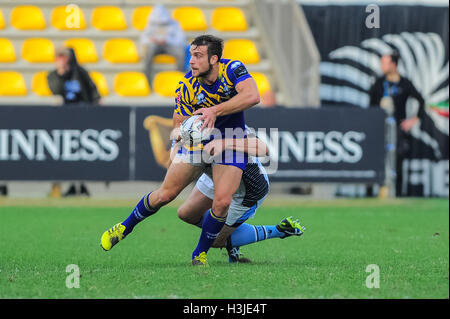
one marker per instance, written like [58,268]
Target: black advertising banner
[115,143]
[64,143]
[322,145]
[153,127]
[310,145]
[426,166]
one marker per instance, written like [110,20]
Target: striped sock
[139,213]
[247,234]
[210,230]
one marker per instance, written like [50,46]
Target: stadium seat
[38,50]
[229,19]
[39,84]
[69,17]
[12,84]
[120,51]
[190,18]
[140,17]
[165,83]
[164,59]
[27,17]
[84,49]
[108,18]
[2,20]
[241,49]
[262,82]
[131,84]
[7,52]
[100,82]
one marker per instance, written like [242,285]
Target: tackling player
[248,198]
[220,90]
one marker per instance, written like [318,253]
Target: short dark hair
[215,44]
[395,56]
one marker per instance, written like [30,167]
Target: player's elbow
[254,98]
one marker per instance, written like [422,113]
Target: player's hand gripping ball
[190,131]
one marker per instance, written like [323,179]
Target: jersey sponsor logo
[240,71]
[201,98]
[234,65]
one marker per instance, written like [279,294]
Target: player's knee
[182,214]
[221,204]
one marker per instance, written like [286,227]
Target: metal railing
[291,47]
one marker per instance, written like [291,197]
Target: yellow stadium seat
[84,49]
[241,49]
[7,52]
[229,19]
[39,84]
[100,82]
[2,20]
[140,17]
[262,82]
[164,59]
[27,17]
[165,83]
[38,50]
[120,51]
[69,17]
[131,84]
[108,18]
[190,18]
[12,84]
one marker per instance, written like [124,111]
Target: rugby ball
[190,131]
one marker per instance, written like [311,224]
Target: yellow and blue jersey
[192,94]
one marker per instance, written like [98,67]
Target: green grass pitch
[407,239]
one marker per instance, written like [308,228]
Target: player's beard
[206,73]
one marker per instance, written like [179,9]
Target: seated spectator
[73,83]
[162,35]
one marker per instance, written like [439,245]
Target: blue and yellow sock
[247,234]
[211,227]
[139,213]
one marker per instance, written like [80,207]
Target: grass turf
[407,239]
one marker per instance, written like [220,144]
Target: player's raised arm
[248,96]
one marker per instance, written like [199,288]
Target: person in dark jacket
[73,83]
[391,92]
